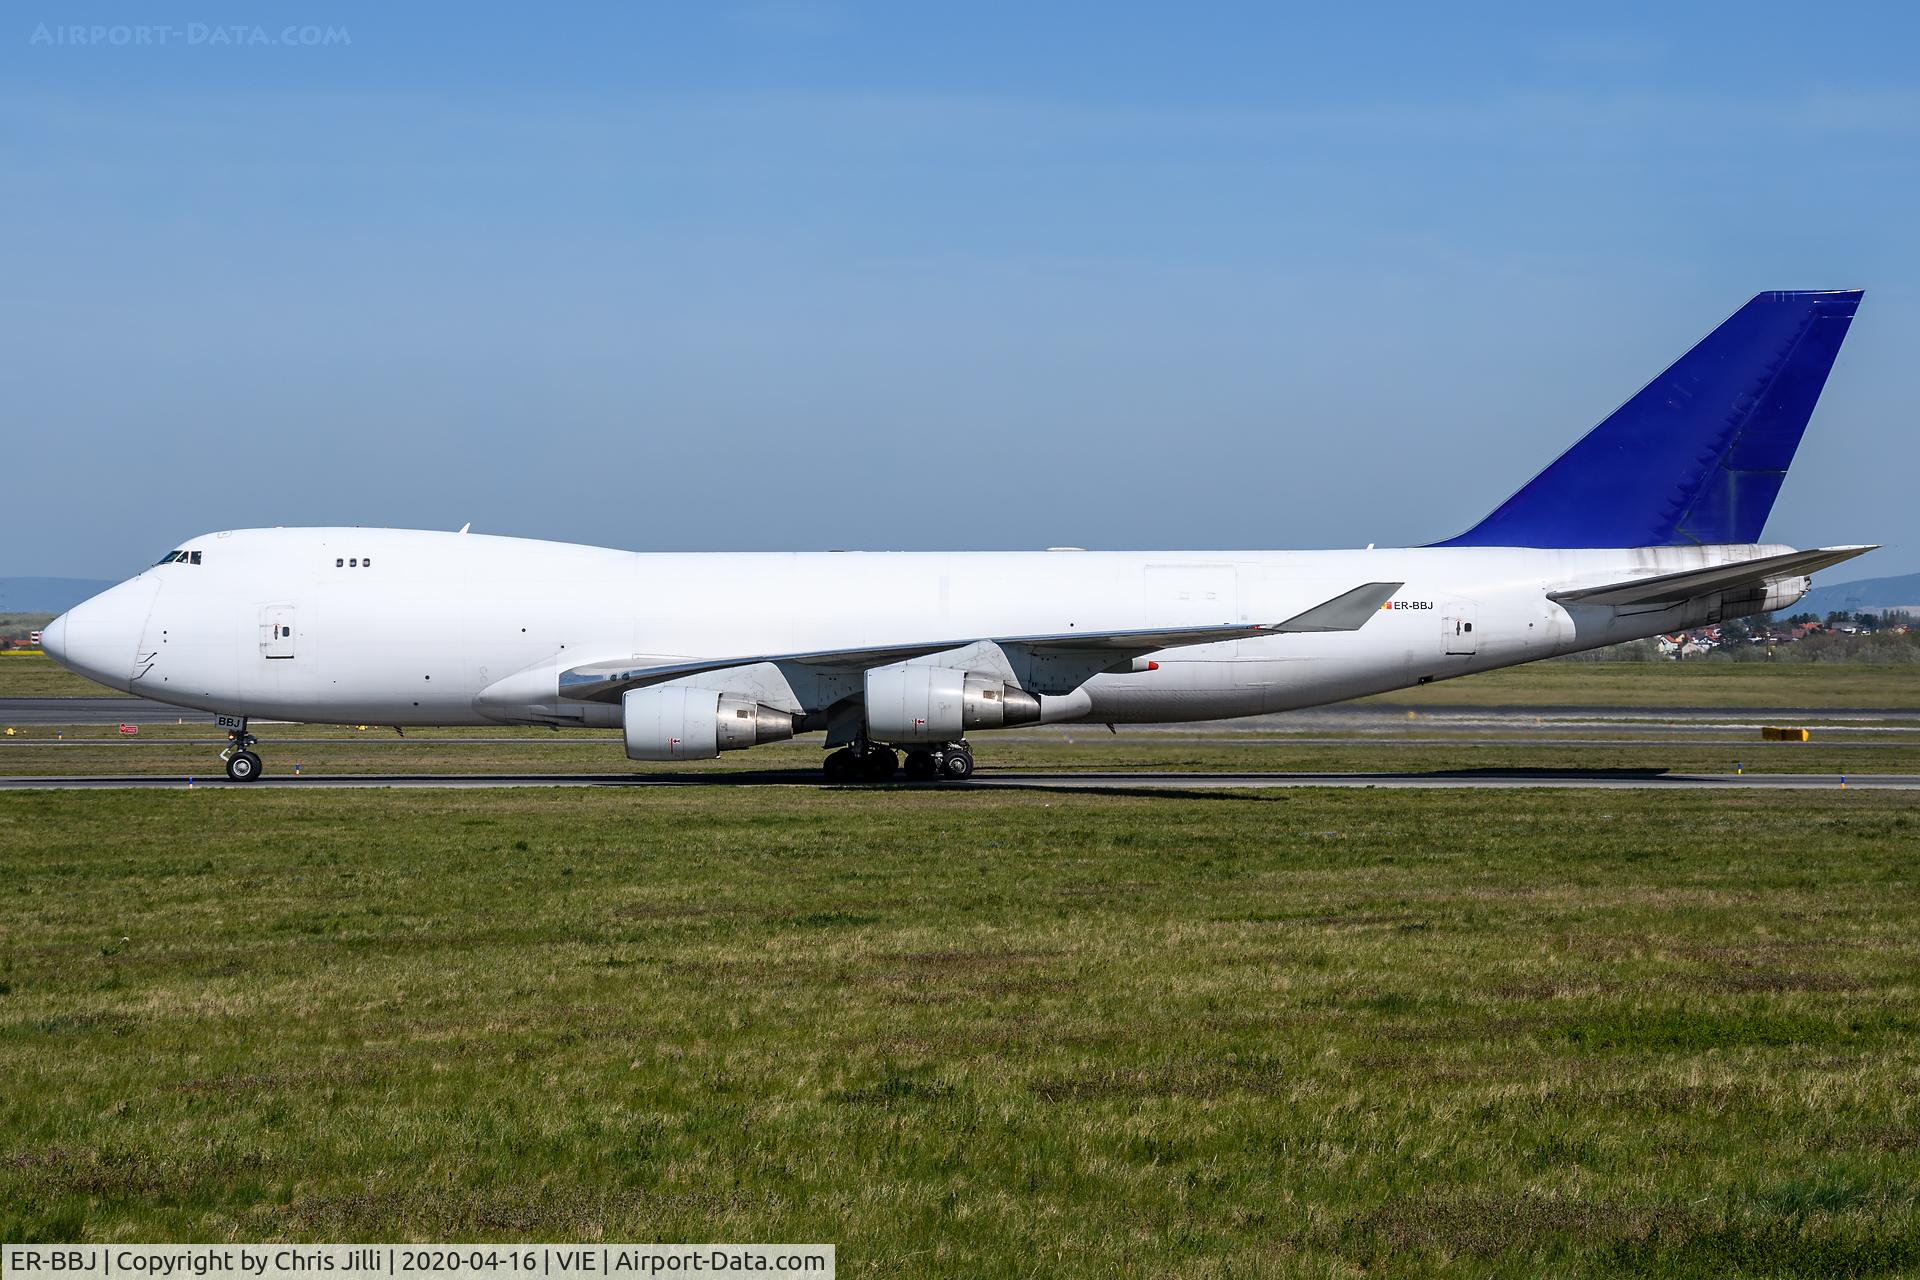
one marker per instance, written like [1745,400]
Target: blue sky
[798,275]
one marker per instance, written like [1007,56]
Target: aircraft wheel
[243,766]
[839,767]
[879,765]
[921,766]
[956,765]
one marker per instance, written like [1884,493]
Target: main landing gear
[242,764]
[877,763]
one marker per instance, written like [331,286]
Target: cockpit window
[178,557]
[168,558]
[194,556]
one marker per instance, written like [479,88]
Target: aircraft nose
[98,638]
[53,640]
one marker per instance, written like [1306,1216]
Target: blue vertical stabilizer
[1698,456]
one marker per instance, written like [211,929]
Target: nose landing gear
[242,764]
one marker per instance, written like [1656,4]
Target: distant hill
[46,595]
[1875,595]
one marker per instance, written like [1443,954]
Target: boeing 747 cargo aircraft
[1649,524]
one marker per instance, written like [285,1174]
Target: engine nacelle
[939,704]
[1784,592]
[697,724]
[1767,597]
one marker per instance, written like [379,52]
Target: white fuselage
[421,628]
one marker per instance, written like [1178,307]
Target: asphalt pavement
[1146,781]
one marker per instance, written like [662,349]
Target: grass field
[1313,1033]
[190,749]
[34,675]
[1675,684]
[321,751]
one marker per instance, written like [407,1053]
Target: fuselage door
[1457,635]
[276,631]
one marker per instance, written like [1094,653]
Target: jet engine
[697,724]
[1783,592]
[939,704]
[1769,596]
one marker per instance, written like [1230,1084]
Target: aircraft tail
[1699,455]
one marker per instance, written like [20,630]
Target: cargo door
[1457,634]
[277,635]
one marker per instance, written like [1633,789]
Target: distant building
[1688,644]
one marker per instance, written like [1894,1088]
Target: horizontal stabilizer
[1677,587]
[1345,612]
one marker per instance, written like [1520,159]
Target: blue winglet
[1698,456]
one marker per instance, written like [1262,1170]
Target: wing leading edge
[1676,587]
[1348,611]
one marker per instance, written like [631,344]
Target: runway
[1158,781]
[63,711]
[1349,725]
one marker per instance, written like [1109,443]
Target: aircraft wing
[1676,587]
[1348,611]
